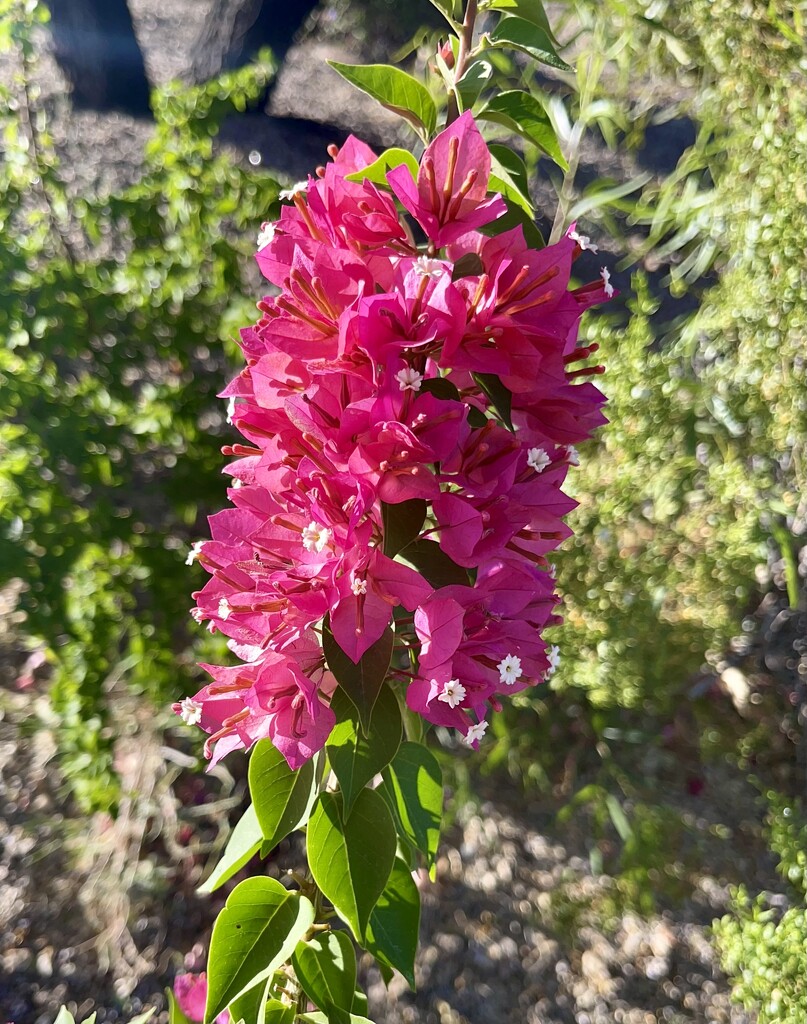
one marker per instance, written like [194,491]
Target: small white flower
[538,459]
[266,235]
[572,455]
[553,656]
[290,193]
[429,268]
[509,669]
[237,482]
[453,693]
[194,552]
[409,379]
[315,537]
[605,274]
[582,240]
[224,609]
[231,404]
[358,586]
[197,615]
[475,733]
[190,711]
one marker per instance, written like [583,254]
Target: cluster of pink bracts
[342,413]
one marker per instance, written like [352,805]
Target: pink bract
[372,387]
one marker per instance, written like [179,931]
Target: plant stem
[466,45]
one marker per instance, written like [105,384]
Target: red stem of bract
[466,45]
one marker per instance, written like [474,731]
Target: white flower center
[290,193]
[572,455]
[195,551]
[605,274]
[197,615]
[231,404]
[409,379]
[224,609]
[553,656]
[509,669]
[583,241]
[453,693]
[475,733]
[538,459]
[315,537]
[426,267]
[266,235]
[190,711]
[358,586]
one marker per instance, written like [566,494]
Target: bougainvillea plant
[409,409]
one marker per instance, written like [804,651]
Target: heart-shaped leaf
[416,782]
[362,682]
[326,968]
[282,798]
[404,520]
[356,757]
[388,161]
[395,90]
[392,935]
[434,564]
[351,860]
[254,934]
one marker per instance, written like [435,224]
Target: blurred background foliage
[117,318]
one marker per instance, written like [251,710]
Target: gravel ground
[102,914]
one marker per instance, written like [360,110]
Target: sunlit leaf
[395,90]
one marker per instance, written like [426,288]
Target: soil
[521,925]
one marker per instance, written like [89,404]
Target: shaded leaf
[404,520]
[323,1018]
[244,842]
[355,757]
[433,564]
[362,683]
[282,798]
[476,76]
[325,966]
[389,159]
[500,397]
[395,90]
[392,935]
[254,934]
[469,265]
[516,216]
[520,34]
[351,860]
[508,175]
[441,387]
[523,114]
[416,781]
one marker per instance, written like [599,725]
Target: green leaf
[360,1005]
[476,76]
[323,1018]
[326,968]
[508,175]
[469,265]
[388,161]
[254,934]
[392,935]
[516,216]
[351,860]
[244,842]
[529,10]
[141,1018]
[276,1012]
[416,781]
[175,1014]
[395,90]
[282,798]
[362,683]
[251,1006]
[618,818]
[64,1016]
[523,114]
[447,8]
[500,397]
[520,34]
[404,520]
[441,387]
[433,564]
[355,757]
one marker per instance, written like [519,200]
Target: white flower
[605,274]
[194,552]
[266,235]
[428,268]
[553,656]
[315,537]
[190,711]
[290,193]
[237,482]
[224,609]
[231,404]
[572,455]
[409,379]
[453,693]
[358,586]
[475,733]
[197,615]
[509,669]
[538,459]
[582,240]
